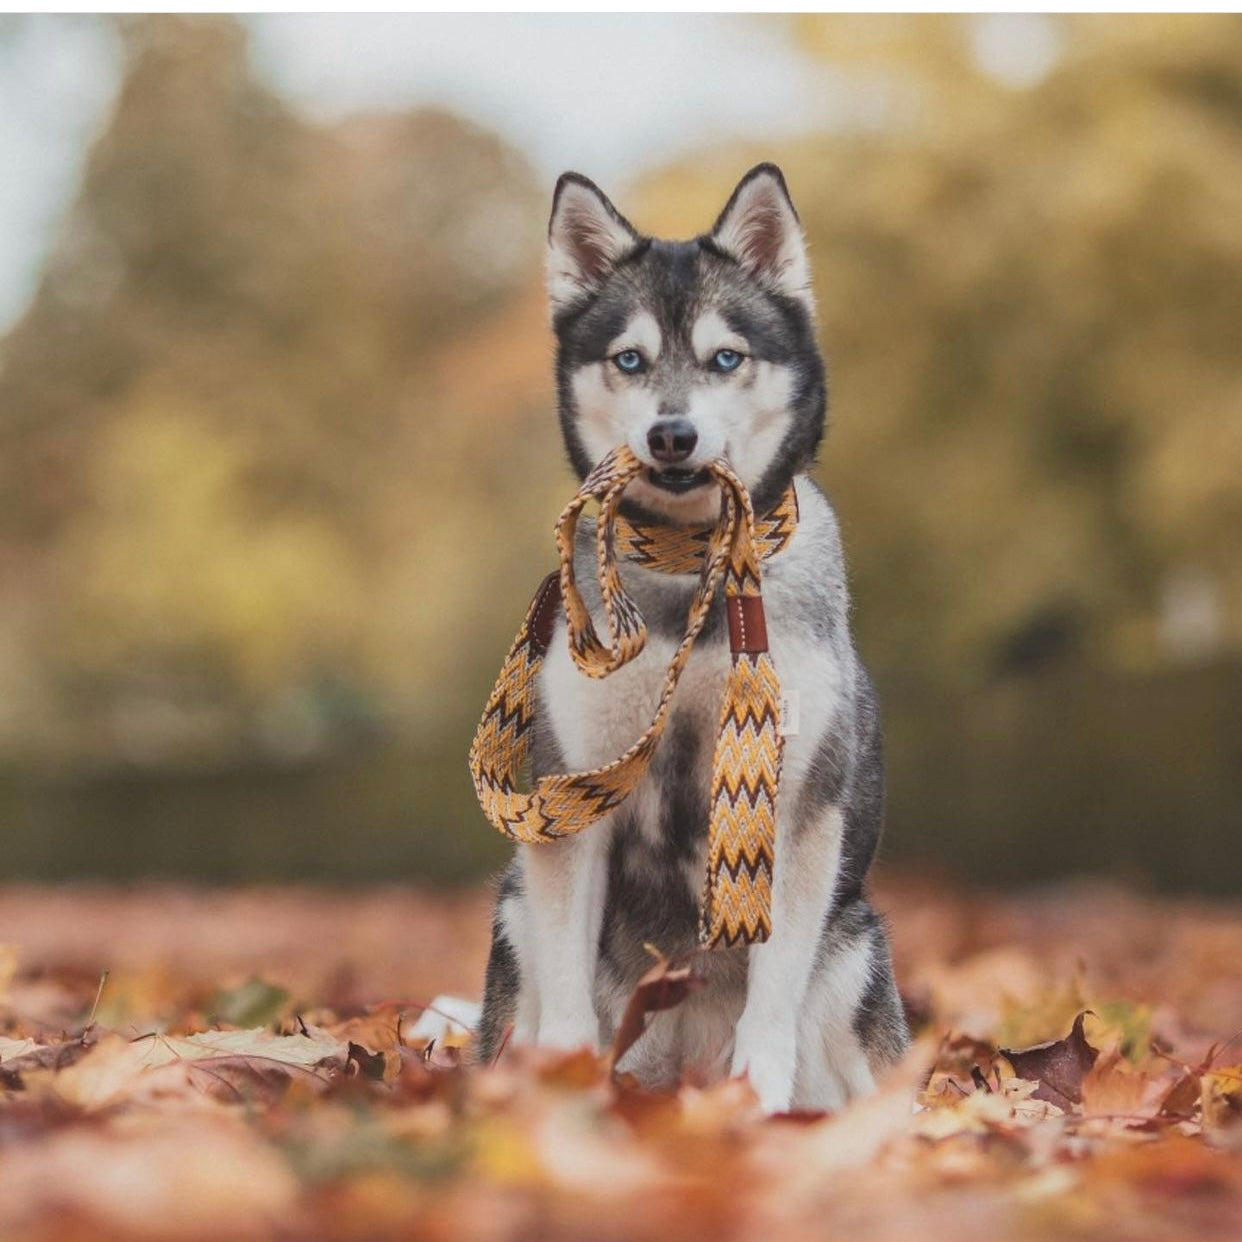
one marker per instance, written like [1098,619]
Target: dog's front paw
[770,1063]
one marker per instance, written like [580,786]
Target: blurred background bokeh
[279,463]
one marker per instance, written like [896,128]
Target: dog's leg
[808,858]
[500,992]
[526,1010]
[566,884]
[836,1045]
[508,989]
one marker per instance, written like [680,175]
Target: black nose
[672,439]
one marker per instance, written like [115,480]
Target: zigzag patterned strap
[737,896]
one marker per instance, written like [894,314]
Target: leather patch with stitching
[748,627]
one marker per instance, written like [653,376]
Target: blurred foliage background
[278,460]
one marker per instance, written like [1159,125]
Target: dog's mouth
[677,480]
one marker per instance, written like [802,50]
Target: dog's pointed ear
[587,236]
[761,230]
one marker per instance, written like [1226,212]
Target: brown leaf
[367,1064]
[1059,1066]
[1181,1097]
[1222,1098]
[20,1056]
[662,987]
[1184,1095]
[383,1066]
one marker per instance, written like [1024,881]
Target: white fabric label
[789,713]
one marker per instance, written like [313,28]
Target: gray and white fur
[687,351]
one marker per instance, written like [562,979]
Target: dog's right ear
[587,236]
[760,229]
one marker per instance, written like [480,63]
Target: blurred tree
[213,412]
[1032,305]
[1030,280]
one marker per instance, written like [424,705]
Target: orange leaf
[662,987]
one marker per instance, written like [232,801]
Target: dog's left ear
[760,229]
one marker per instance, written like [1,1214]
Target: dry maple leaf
[1113,1088]
[1059,1066]
[20,1056]
[662,987]
[117,1068]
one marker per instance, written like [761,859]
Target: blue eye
[727,360]
[630,361]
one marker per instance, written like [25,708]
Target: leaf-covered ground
[252,1067]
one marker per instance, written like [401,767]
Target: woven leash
[737,894]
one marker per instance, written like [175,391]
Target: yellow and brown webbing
[737,895]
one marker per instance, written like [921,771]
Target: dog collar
[684,549]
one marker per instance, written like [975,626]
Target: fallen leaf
[251,1134]
[1222,1099]
[12,1049]
[1182,1097]
[1114,1088]
[19,1056]
[1058,1066]
[117,1067]
[662,987]
[382,1066]
[379,1029]
[182,1178]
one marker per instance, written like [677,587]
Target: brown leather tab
[748,627]
[547,603]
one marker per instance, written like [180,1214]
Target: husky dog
[689,351]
